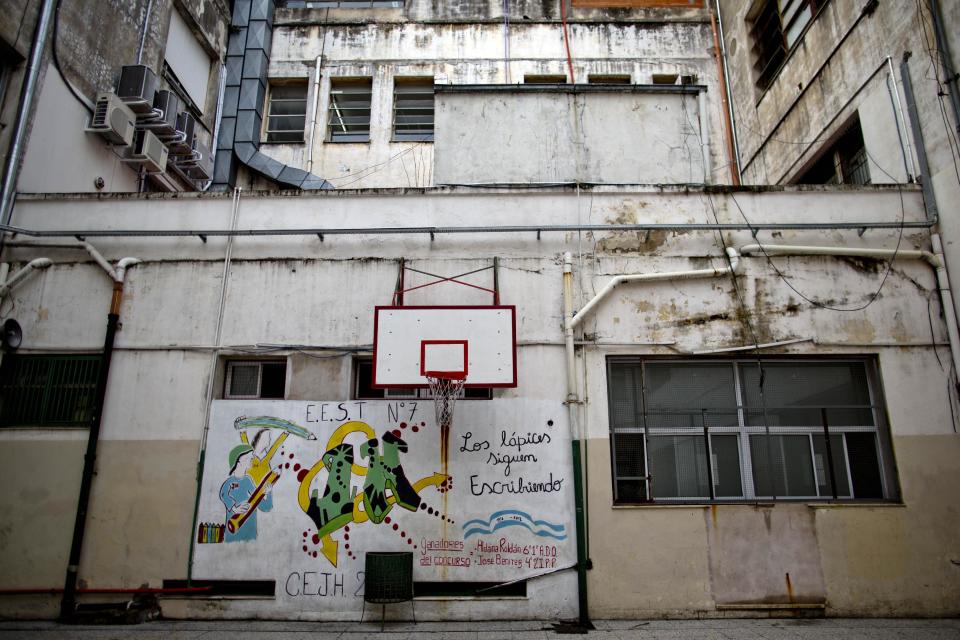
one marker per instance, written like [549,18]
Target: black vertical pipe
[68,603]
[826,438]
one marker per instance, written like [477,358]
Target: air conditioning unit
[183,144]
[149,151]
[169,104]
[137,86]
[202,166]
[113,120]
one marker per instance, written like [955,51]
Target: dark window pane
[794,393]
[678,466]
[628,453]
[47,390]
[631,491]
[791,472]
[626,393]
[839,466]
[286,114]
[864,465]
[364,379]
[243,379]
[676,393]
[274,380]
[726,466]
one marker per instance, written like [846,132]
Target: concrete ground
[726,629]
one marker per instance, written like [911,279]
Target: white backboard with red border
[479,342]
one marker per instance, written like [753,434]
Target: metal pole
[706,442]
[929,200]
[12,170]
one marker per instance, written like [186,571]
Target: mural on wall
[298,492]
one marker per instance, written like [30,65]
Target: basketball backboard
[410,343]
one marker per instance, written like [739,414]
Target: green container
[389,577]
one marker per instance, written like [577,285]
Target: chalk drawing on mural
[249,487]
[385,483]
[513,518]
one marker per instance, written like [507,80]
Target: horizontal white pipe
[805,250]
[750,347]
[99,259]
[588,308]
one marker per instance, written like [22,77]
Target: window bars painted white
[287,112]
[413,105]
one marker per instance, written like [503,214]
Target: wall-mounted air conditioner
[137,86]
[202,166]
[112,119]
[149,151]
[182,145]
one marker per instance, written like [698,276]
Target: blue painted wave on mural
[514,518]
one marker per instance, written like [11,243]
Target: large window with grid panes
[697,430]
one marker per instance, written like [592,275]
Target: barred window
[844,162]
[413,109]
[286,112]
[775,27]
[350,109]
[48,390]
[251,379]
[701,430]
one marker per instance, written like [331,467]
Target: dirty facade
[713,425]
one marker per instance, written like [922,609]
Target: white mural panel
[297,492]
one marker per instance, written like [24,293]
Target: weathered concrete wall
[474,52]
[509,136]
[838,70]
[293,290]
[18,20]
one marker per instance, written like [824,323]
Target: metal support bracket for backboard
[401,287]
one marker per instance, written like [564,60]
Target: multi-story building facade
[728,400]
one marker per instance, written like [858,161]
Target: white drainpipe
[571,320]
[38,263]
[934,259]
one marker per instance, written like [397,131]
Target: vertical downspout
[12,169]
[929,200]
[68,603]
[313,109]
[573,403]
[720,53]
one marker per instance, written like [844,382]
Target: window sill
[856,505]
[279,142]
[466,598]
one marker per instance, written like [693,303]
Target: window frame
[231,364]
[340,4]
[53,381]
[412,82]
[762,53]
[342,86]
[745,431]
[363,365]
[272,85]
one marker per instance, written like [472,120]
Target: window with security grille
[251,379]
[702,430]
[349,111]
[413,109]
[775,26]
[48,390]
[286,112]
[844,162]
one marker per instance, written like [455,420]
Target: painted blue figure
[236,493]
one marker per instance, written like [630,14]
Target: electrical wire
[87,104]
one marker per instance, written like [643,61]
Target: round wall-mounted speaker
[12,335]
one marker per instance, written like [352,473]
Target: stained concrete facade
[601,163]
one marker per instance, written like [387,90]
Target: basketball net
[445,392]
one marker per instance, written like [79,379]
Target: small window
[544,79]
[699,430]
[609,78]
[844,162]
[413,109]
[775,27]
[48,390]
[665,78]
[286,112]
[252,379]
[363,389]
[350,109]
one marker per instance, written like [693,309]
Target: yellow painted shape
[260,467]
[354,426]
[430,481]
[303,495]
[328,547]
[359,515]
